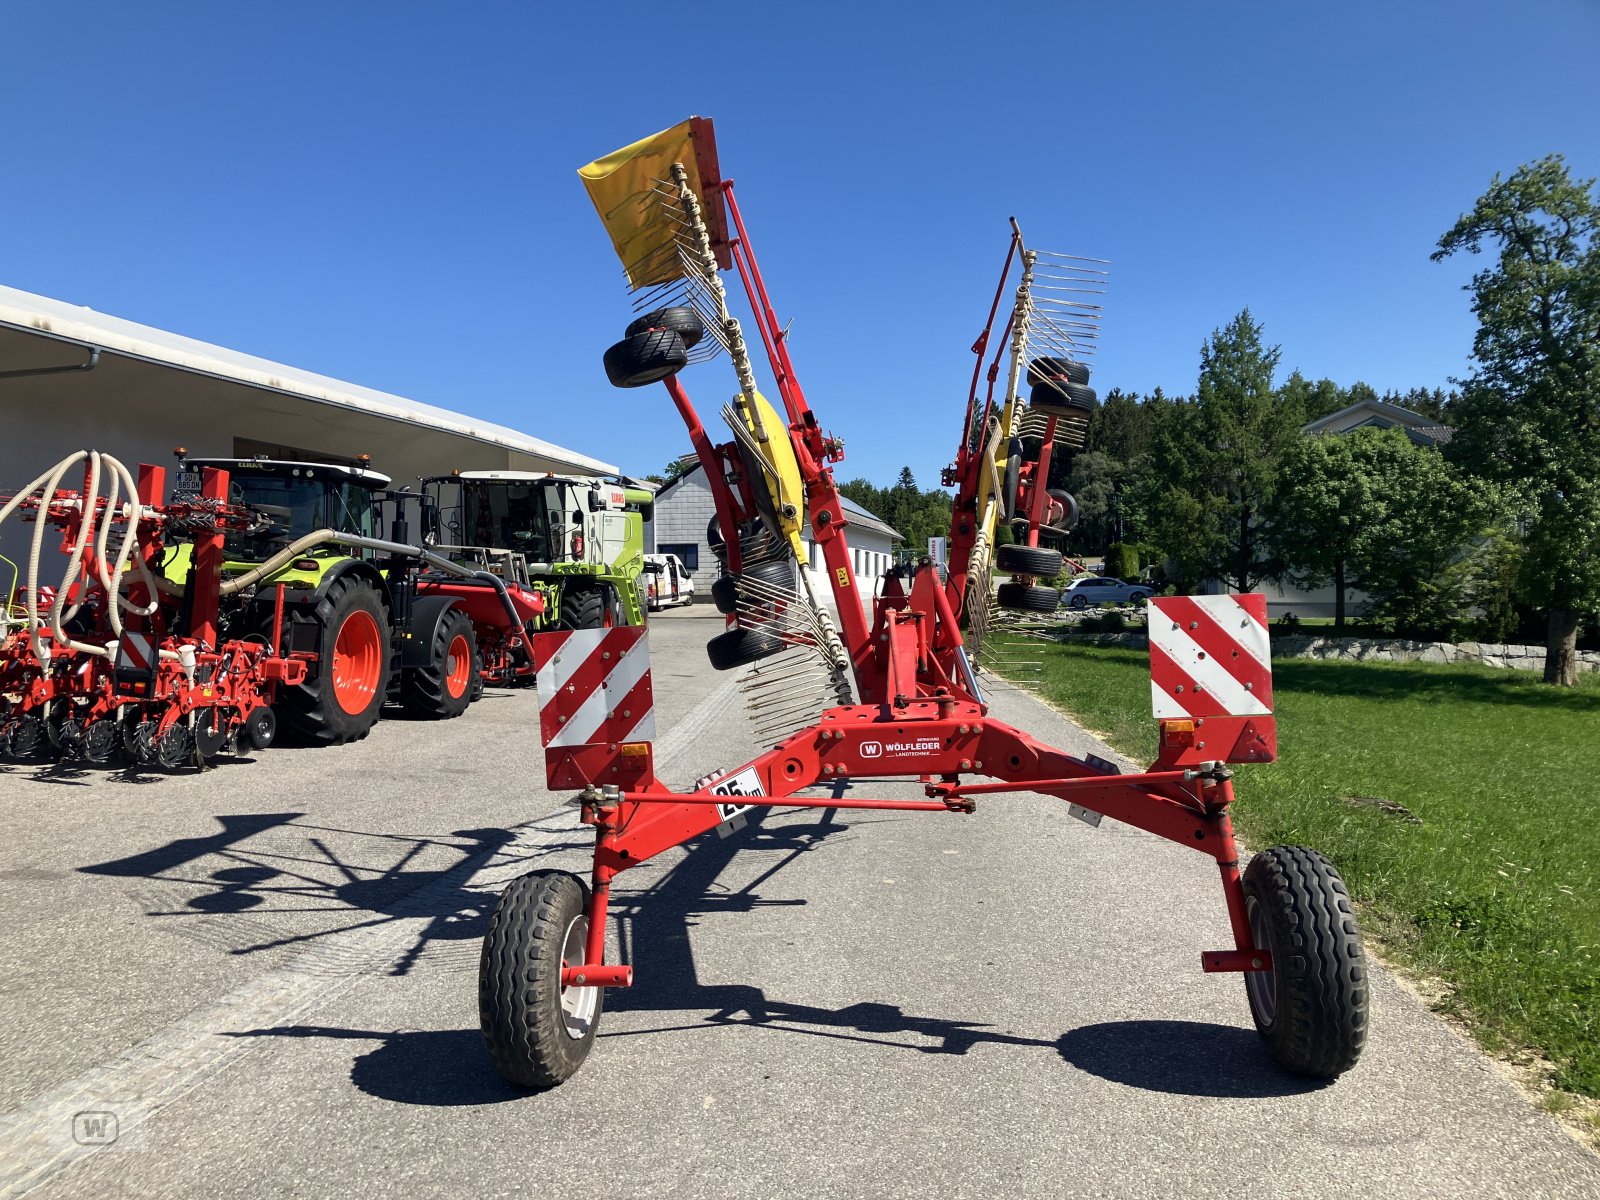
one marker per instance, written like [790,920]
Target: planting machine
[186,627]
[898,694]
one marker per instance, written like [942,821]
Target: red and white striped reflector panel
[594,686]
[1210,656]
[135,651]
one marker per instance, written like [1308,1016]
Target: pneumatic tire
[1041,369]
[341,702]
[725,594]
[443,688]
[588,608]
[741,646]
[645,358]
[1038,561]
[680,319]
[536,1031]
[1058,397]
[1019,597]
[1311,1007]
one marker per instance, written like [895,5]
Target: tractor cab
[291,500]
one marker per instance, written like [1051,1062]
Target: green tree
[1222,453]
[1529,416]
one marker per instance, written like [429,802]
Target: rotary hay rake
[915,708]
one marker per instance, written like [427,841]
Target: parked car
[1102,589]
[666,582]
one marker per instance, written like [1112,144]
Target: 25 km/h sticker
[746,783]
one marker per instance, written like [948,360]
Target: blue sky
[385,192]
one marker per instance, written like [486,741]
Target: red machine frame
[920,711]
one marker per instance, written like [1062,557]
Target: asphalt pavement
[261,981]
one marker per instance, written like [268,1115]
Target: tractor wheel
[725,594]
[1312,1006]
[443,688]
[1041,369]
[645,358]
[740,647]
[1057,397]
[1028,560]
[537,1031]
[342,702]
[680,318]
[1022,598]
[589,608]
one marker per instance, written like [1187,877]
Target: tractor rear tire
[645,358]
[343,701]
[1041,369]
[1311,1007]
[1028,560]
[1057,397]
[589,608]
[443,688]
[536,1031]
[741,646]
[680,319]
[1019,597]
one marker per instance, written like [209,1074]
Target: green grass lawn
[1461,804]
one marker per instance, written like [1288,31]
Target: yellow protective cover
[620,185]
[784,484]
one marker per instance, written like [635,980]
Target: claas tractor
[569,549]
[352,608]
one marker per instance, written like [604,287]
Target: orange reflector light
[1178,726]
[634,749]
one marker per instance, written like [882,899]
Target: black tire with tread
[645,358]
[1061,397]
[425,691]
[725,594]
[1020,597]
[1319,970]
[519,981]
[1039,561]
[586,607]
[680,319]
[1041,369]
[741,646]
[310,709]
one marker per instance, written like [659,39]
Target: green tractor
[575,541]
[351,606]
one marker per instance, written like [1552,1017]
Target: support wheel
[536,1031]
[1028,560]
[741,646]
[1023,598]
[443,688]
[1312,1006]
[646,357]
[680,319]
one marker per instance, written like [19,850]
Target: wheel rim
[458,667]
[357,662]
[578,1004]
[1079,602]
[1262,986]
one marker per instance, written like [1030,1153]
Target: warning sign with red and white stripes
[1210,656]
[594,686]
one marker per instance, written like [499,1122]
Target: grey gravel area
[267,975]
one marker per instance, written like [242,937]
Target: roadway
[266,975]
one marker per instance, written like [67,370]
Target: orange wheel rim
[458,667]
[357,662]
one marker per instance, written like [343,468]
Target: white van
[666,582]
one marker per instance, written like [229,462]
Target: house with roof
[684,508]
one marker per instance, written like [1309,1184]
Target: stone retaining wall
[1489,654]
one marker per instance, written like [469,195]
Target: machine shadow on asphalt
[1184,1058]
[263,883]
